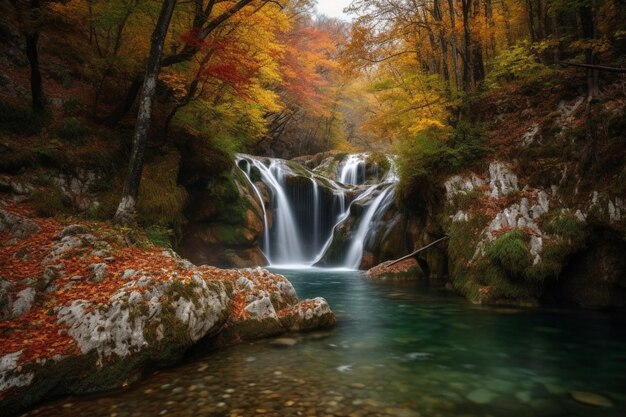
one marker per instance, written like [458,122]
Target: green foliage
[432,155]
[61,75]
[564,226]
[49,153]
[516,63]
[14,159]
[49,201]
[380,159]
[161,200]
[510,252]
[73,129]
[20,120]
[160,236]
[71,105]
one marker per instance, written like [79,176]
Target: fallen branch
[412,254]
[593,67]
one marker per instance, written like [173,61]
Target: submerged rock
[406,270]
[144,309]
[589,398]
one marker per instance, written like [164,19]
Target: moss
[15,159]
[510,252]
[49,202]
[20,120]
[160,236]
[298,169]
[73,129]
[564,226]
[340,156]
[50,153]
[180,289]
[380,160]
[161,199]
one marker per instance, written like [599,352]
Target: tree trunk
[467,52]
[187,53]
[31,34]
[126,211]
[455,48]
[531,20]
[588,31]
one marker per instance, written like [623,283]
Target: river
[397,350]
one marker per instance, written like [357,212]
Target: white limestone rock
[17,227]
[502,180]
[10,376]
[23,302]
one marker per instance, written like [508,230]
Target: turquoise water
[398,350]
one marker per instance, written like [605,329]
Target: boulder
[17,227]
[108,322]
[406,270]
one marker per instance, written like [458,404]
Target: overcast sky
[333,8]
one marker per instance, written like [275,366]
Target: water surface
[396,351]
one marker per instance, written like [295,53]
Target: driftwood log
[412,254]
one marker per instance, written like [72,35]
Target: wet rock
[481,396]
[284,342]
[308,314]
[407,269]
[590,398]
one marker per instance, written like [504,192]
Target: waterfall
[353,170]
[303,209]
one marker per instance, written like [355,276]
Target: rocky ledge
[405,270]
[83,310]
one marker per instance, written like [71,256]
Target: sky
[333,8]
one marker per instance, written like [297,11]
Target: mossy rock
[511,253]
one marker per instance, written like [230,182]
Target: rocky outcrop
[83,312]
[225,224]
[406,270]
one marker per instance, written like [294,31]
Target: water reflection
[397,351]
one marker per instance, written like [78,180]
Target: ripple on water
[437,356]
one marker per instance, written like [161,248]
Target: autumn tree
[29,13]
[205,18]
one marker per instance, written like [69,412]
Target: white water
[303,218]
[351,168]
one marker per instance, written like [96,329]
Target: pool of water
[398,350]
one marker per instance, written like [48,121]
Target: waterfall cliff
[322,214]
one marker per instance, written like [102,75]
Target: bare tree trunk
[455,48]
[30,31]
[531,20]
[126,211]
[442,42]
[467,50]
[589,32]
[203,27]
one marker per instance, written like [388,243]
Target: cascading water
[303,209]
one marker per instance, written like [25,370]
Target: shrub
[380,159]
[159,236]
[510,253]
[433,155]
[564,226]
[516,63]
[71,105]
[73,129]
[161,199]
[49,201]
[20,120]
